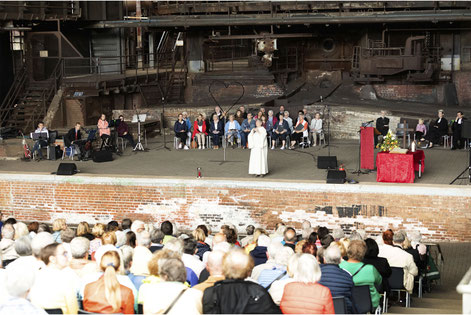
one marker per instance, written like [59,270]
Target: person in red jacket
[199,131]
[305,295]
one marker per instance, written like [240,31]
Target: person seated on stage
[220,113]
[438,129]
[259,115]
[271,121]
[300,130]
[216,129]
[316,128]
[181,128]
[199,131]
[382,124]
[264,121]
[40,142]
[240,117]
[280,131]
[306,115]
[104,130]
[420,130]
[247,126]
[289,120]
[282,111]
[232,130]
[188,123]
[74,138]
[458,141]
[123,132]
[243,113]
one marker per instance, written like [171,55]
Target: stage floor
[441,165]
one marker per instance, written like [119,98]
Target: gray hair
[273,249]
[175,245]
[263,240]
[143,239]
[20,278]
[222,246]
[332,255]
[8,232]
[138,224]
[283,256]
[308,270]
[415,236]
[79,247]
[399,237]
[23,246]
[338,233]
[41,240]
[120,238]
[67,235]
[173,269]
[126,253]
[355,236]
[157,236]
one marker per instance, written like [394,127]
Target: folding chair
[362,299]
[340,305]
[396,283]
[54,311]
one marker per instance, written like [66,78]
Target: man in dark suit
[74,137]
[382,124]
[216,130]
[438,129]
[458,141]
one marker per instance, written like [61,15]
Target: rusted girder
[289,19]
[268,35]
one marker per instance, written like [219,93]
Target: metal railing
[17,88]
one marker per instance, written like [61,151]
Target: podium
[367,155]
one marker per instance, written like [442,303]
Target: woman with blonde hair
[97,231]
[83,229]
[58,225]
[21,229]
[107,295]
[256,235]
[201,245]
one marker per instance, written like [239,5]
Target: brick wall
[439,212]
[410,92]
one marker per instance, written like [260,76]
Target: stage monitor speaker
[67,169]
[327,162]
[102,156]
[336,177]
[466,129]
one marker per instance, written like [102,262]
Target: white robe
[258,146]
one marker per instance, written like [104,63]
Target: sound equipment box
[327,162]
[336,177]
[102,156]
[466,129]
[67,169]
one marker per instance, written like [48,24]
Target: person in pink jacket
[104,129]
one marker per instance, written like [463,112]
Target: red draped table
[399,168]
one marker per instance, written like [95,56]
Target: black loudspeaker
[102,156]
[466,129]
[336,177]
[67,169]
[326,162]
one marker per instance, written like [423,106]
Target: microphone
[370,122]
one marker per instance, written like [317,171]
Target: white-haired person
[305,295]
[79,263]
[141,257]
[235,294]
[214,267]
[316,128]
[273,249]
[17,281]
[278,286]
[7,245]
[54,288]
[168,293]
[107,295]
[338,281]
[362,274]
[177,246]
[279,271]
[232,130]
[187,120]
[21,229]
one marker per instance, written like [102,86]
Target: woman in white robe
[258,146]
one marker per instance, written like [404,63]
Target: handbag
[194,145]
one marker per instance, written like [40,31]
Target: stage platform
[161,184]
[441,165]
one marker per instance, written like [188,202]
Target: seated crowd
[235,128]
[134,267]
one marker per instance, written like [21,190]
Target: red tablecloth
[398,168]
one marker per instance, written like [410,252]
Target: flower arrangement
[389,142]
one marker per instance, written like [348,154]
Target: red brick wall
[439,212]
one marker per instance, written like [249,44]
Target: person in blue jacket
[216,130]
[280,131]
[247,126]
[181,129]
[232,130]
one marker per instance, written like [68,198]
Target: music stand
[139,118]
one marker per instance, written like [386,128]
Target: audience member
[250,229]
[215,270]
[131,239]
[381,264]
[21,230]
[272,250]
[362,274]
[53,287]
[112,226]
[259,253]
[200,131]
[137,226]
[235,294]
[97,231]
[167,228]
[189,257]
[141,257]
[216,130]
[298,295]
[181,132]
[126,225]
[177,245]
[397,257]
[7,245]
[306,230]
[256,234]
[338,281]
[279,270]
[201,246]
[232,130]
[290,238]
[281,130]
[67,236]
[157,238]
[338,234]
[79,263]
[58,225]
[277,287]
[32,229]
[300,130]
[83,229]
[247,126]
[107,295]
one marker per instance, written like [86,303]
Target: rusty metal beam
[289,19]
[272,36]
